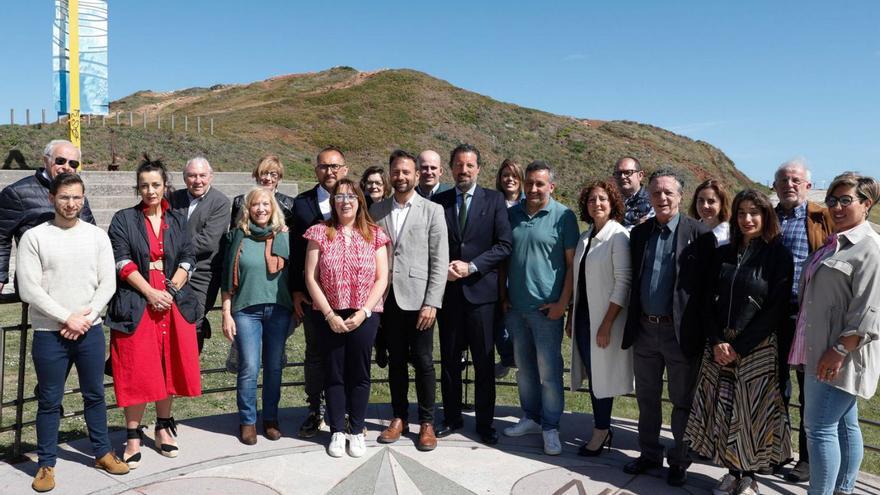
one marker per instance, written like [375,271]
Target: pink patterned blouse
[347,266]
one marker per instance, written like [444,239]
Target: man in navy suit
[309,208]
[479,240]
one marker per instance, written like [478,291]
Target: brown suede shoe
[427,439]
[44,480]
[270,430]
[248,434]
[395,429]
[112,464]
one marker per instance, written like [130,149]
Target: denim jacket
[842,299]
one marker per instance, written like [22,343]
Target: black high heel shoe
[134,434]
[166,449]
[606,443]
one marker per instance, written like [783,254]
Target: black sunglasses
[60,160]
[843,201]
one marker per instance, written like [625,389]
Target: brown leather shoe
[248,434]
[112,464]
[427,439]
[270,430]
[44,481]
[395,429]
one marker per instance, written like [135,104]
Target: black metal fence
[20,400]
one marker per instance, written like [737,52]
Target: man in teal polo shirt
[539,287]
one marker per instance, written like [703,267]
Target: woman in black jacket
[268,174]
[738,418]
[153,348]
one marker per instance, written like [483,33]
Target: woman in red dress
[153,347]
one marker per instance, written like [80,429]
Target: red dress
[161,358]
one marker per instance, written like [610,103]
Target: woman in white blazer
[601,291]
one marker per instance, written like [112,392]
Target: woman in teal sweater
[257,307]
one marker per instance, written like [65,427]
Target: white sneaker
[746,486]
[726,485]
[356,445]
[525,427]
[337,445]
[551,442]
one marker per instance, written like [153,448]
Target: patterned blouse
[347,266]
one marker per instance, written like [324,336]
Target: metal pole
[27,116]
[185,123]
[11,116]
[103,121]
[44,117]
[199,124]
[212,126]
[117,119]
[158,121]
[89,120]
[19,393]
[172,122]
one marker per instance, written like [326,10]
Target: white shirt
[324,202]
[194,202]
[399,213]
[722,233]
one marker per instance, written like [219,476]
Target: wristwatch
[367,311]
[840,349]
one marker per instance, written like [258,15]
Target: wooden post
[145,119]
[89,120]
[27,116]
[11,116]
[212,126]
[172,122]
[158,121]
[103,121]
[117,119]
[44,117]
[199,124]
[185,123]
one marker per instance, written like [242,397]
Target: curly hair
[614,197]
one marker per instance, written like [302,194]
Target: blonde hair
[276,220]
[268,163]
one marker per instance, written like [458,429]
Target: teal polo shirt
[536,272]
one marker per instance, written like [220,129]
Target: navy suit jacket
[694,248]
[485,242]
[306,213]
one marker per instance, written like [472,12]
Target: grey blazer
[207,225]
[419,258]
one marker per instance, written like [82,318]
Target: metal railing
[20,399]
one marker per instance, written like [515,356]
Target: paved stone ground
[212,461]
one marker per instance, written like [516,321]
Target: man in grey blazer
[418,264]
[207,213]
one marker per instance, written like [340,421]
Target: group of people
[723,302]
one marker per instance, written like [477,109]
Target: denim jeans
[831,417]
[261,330]
[52,354]
[537,347]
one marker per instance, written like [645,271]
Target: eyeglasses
[60,160]
[796,182]
[843,201]
[342,198]
[375,183]
[334,167]
[69,199]
[624,173]
[269,175]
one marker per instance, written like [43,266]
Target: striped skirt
[738,418]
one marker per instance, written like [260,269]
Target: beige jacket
[843,298]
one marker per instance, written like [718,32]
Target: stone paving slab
[212,461]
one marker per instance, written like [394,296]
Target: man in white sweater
[65,272]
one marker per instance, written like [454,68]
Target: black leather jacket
[24,205]
[284,201]
[750,296]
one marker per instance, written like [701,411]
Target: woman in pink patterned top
[346,273]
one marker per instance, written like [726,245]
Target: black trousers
[313,369]
[408,344]
[347,370]
[786,336]
[467,326]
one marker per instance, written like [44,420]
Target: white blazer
[608,276]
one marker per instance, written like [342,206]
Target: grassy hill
[368,115]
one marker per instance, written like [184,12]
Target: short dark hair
[537,166]
[614,197]
[667,172]
[329,148]
[65,179]
[769,221]
[723,196]
[376,169]
[465,148]
[150,165]
[399,154]
[634,159]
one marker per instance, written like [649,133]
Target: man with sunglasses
[310,208]
[628,174]
[25,203]
[804,227]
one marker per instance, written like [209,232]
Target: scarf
[276,253]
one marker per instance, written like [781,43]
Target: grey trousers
[655,350]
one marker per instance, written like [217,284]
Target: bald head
[430,169]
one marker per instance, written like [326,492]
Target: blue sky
[763,81]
